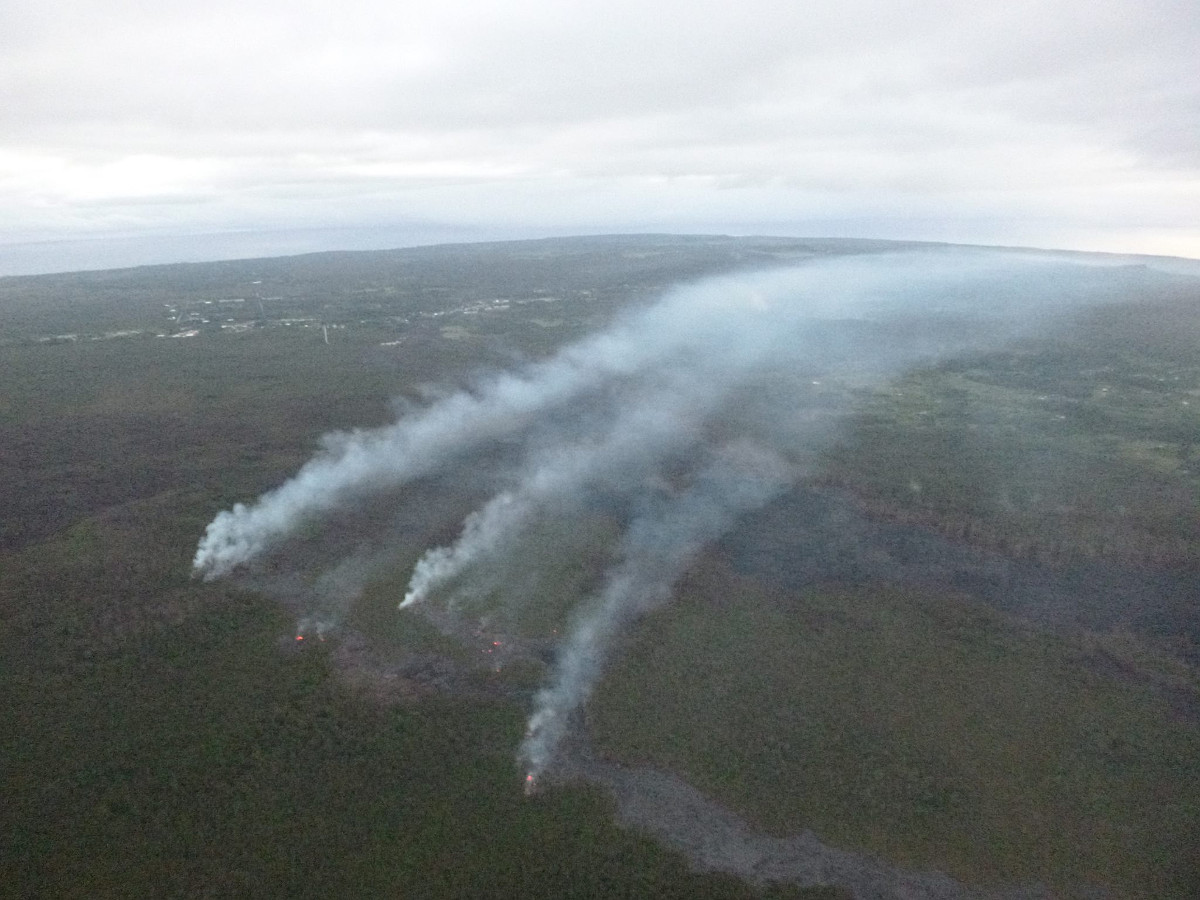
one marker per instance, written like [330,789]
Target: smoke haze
[677,420]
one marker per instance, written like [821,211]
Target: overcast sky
[1055,123]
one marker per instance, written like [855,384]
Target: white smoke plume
[713,330]
[482,534]
[355,464]
[718,330]
[637,436]
[682,416]
[656,549]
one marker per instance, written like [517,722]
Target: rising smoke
[661,540]
[681,417]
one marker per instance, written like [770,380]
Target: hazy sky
[1063,123]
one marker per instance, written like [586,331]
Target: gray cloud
[1051,120]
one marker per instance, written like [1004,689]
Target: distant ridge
[111,254]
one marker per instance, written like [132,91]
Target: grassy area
[921,727]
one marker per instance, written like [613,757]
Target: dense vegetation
[921,726]
[883,698]
[1085,442]
[157,741]
[166,737]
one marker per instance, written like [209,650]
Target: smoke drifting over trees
[677,420]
